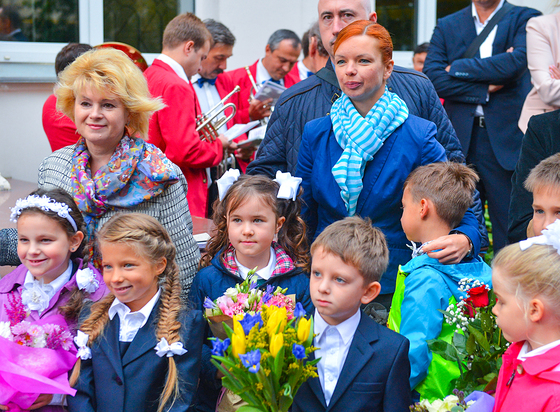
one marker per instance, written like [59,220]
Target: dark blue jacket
[212,282]
[313,97]
[411,145]
[374,376]
[134,382]
[466,84]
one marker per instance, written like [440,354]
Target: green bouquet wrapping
[264,358]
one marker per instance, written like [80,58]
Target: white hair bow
[550,236]
[81,341]
[225,182]
[289,185]
[165,349]
[86,280]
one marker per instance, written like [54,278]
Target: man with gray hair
[281,54]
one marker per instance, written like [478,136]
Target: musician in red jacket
[186,42]
[281,54]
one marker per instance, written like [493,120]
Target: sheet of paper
[270,90]
[238,129]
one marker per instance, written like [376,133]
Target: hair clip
[165,349]
[289,185]
[550,236]
[81,340]
[225,182]
[86,280]
[44,203]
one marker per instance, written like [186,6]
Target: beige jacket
[543,50]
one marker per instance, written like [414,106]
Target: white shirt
[263,273]
[131,322]
[303,70]
[49,289]
[262,74]
[525,353]
[486,46]
[177,68]
[334,343]
[208,97]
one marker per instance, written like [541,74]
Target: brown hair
[367,28]
[71,309]
[111,71]
[545,175]
[449,185]
[532,272]
[292,233]
[152,241]
[186,27]
[357,243]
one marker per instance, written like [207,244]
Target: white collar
[347,329]
[263,273]
[56,284]
[262,74]
[177,68]
[118,307]
[525,353]
[477,19]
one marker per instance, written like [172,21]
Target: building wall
[23,143]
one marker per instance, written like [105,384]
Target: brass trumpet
[205,125]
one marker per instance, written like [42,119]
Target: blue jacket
[374,376]
[411,145]
[466,84]
[312,99]
[428,287]
[134,382]
[212,282]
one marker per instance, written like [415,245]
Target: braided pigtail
[292,235]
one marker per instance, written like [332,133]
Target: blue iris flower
[251,360]
[268,294]
[299,310]
[219,347]
[249,321]
[208,304]
[298,351]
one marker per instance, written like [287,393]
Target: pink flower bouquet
[35,358]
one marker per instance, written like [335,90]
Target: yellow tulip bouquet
[264,359]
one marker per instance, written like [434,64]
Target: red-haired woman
[354,161]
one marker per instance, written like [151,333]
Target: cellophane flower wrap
[35,358]
[457,402]
[265,357]
[244,298]
[478,342]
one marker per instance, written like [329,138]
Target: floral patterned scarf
[137,171]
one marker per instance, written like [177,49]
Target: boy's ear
[371,291]
[536,310]
[424,207]
[76,240]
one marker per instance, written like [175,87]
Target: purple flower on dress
[298,351]
[251,360]
[219,347]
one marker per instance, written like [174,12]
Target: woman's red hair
[367,28]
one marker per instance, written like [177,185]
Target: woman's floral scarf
[137,171]
[361,138]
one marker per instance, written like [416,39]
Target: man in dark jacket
[313,97]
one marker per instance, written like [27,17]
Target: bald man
[313,97]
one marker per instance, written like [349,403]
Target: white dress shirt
[49,289]
[131,322]
[334,343]
[262,74]
[486,46]
[303,70]
[208,97]
[525,353]
[263,273]
[177,68]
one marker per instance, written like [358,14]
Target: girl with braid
[139,348]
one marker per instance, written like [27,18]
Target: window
[398,17]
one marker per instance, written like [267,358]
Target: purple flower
[17,311]
[299,310]
[268,294]
[208,304]
[248,322]
[251,360]
[219,347]
[298,351]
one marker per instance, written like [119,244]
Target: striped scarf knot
[360,139]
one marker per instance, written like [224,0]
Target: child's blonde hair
[532,272]
[545,175]
[151,240]
[291,235]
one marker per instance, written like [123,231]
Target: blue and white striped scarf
[361,138]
